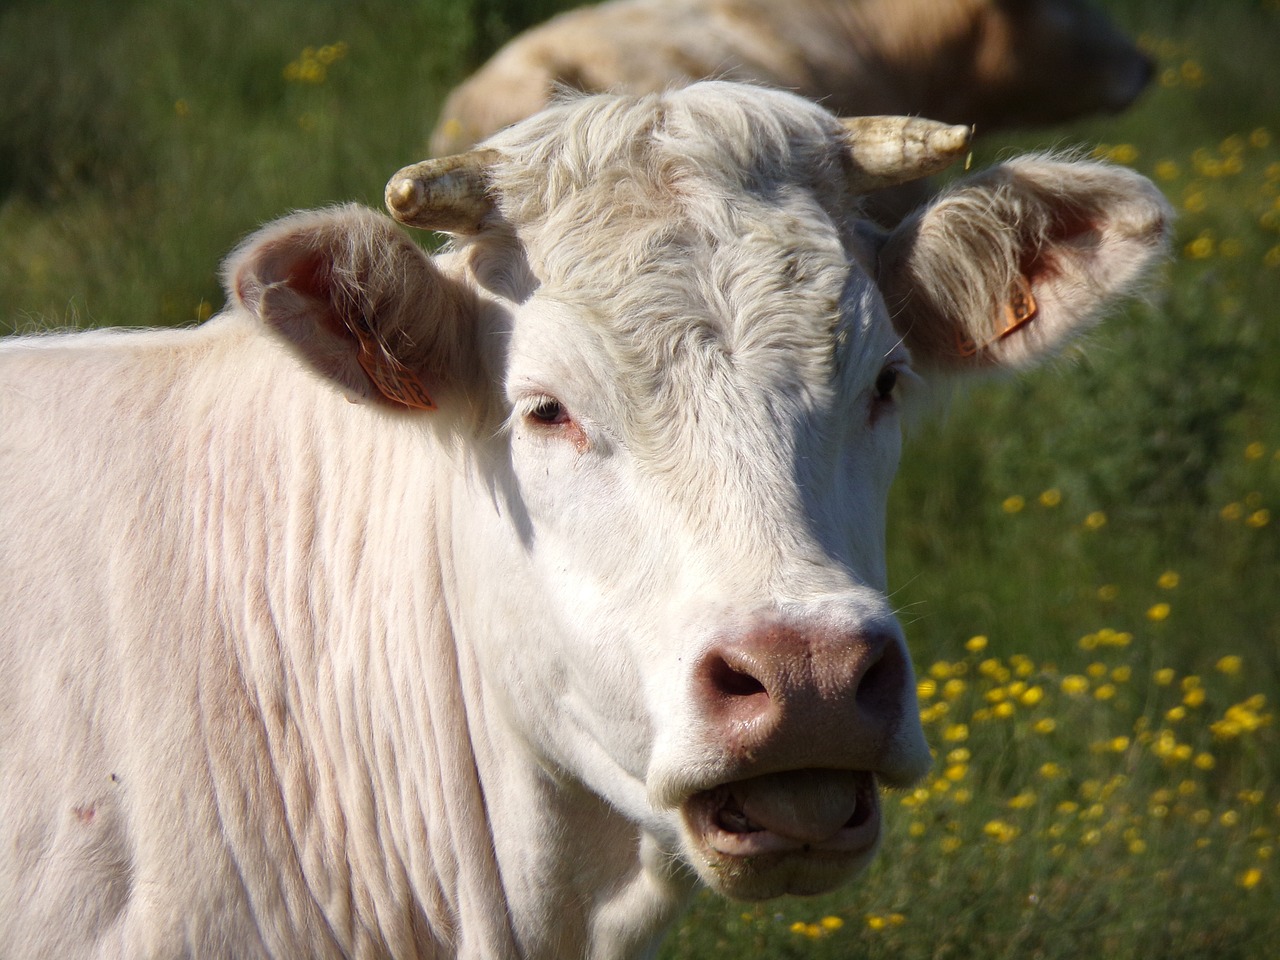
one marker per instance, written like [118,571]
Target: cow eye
[548,410]
[885,383]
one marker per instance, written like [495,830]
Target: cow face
[686,360]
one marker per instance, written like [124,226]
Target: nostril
[728,681]
[879,689]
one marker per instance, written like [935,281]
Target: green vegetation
[1086,559]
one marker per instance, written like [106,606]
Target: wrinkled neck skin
[421,823]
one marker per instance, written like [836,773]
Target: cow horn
[891,150]
[448,194]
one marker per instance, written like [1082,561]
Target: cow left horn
[891,150]
[449,194]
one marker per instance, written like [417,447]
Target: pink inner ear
[1075,226]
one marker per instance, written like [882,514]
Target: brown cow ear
[1011,264]
[360,303]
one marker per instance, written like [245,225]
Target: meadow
[1086,559]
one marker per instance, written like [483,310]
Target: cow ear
[360,303]
[1011,264]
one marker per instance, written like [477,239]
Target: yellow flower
[1121,674]
[876,922]
[1167,170]
[1031,696]
[1255,451]
[1168,580]
[1050,770]
[953,688]
[1074,684]
[1000,831]
[1230,665]
[1158,612]
[976,644]
[1045,725]
[950,844]
[1201,248]
[1194,697]
[1118,744]
[1105,692]
[955,732]
[1259,519]
[831,923]
[1003,710]
[1051,497]
[926,688]
[1250,878]
[1013,504]
[1095,521]
[1163,677]
[1204,761]
[1022,801]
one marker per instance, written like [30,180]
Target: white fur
[288,675]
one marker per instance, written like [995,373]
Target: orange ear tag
[395,381]
[1019,310]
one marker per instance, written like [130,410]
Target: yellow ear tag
[393,379]
[1019,310]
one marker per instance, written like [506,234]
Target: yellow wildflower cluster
[312,65]
[1149,769]
[813,931]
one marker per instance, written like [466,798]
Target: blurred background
[1086,559]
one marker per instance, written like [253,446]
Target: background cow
[579,602]
[993,63]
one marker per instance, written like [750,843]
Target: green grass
[140,141]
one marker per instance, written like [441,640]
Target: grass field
[1087,560]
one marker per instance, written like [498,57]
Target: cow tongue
[806,805]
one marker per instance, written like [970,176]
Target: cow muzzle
[803,724]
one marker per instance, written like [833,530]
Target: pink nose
[787,697]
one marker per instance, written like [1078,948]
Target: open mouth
[796,812]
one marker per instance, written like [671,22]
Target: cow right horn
[892,150]
[450,194]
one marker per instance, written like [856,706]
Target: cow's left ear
[1008,265]
[360,303]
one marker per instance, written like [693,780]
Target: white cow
[293,666]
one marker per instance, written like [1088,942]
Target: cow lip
[724,830]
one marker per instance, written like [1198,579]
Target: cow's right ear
[360,303]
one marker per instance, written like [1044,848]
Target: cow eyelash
[547,411]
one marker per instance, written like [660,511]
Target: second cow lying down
[581,603]
[993,63]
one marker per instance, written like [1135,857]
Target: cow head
[679,360]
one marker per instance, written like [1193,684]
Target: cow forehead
[695,228]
